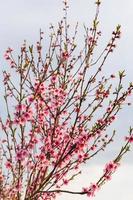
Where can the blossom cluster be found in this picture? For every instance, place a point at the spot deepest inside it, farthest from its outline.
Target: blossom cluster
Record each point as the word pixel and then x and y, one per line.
pixel 53 125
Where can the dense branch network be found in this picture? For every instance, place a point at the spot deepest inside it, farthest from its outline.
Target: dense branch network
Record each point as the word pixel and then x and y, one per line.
pixel 52 102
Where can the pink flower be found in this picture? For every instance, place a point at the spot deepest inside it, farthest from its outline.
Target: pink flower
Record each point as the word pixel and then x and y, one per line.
pixel 19 156
pixel 65 56
pixel 108 177
pixel 6 56
pixel 42 157
pixel 20 107
pixel 53 79
pixel 111 167
pixel 65 181
pixel 129 139
pixel 91 190
pixel 9 50
pixel 8 165
pixel 31 99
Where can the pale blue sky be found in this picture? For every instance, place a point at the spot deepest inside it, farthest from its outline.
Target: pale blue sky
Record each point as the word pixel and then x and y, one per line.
pixel 21 20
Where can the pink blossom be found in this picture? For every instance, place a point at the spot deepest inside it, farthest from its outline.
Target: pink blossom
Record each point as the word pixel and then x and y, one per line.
pixel 91 190
pixel 129 138
pixel 8 165
pixel 111 167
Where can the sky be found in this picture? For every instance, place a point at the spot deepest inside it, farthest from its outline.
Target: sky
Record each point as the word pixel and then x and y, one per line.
pixel 20 20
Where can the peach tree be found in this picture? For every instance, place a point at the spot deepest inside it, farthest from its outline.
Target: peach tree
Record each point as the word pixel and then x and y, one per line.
pixel 52 127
